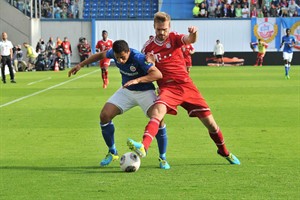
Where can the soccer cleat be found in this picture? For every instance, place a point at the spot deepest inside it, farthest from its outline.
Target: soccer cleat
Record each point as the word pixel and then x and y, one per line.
pixel 287 77
pixel 137 147
pixel 108 159
pixel 104 86
pixel 163 164
pixel 4 81
pixel 13 81
pixel 232 159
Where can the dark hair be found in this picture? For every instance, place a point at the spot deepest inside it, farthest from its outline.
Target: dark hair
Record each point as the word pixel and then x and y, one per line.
pixel 104 31
pixel 120 46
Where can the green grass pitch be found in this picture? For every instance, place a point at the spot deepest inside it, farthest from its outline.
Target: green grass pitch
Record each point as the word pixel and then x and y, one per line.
pixel 51 143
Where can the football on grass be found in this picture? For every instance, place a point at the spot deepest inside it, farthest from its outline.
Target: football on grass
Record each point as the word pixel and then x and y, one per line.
pixel 130 162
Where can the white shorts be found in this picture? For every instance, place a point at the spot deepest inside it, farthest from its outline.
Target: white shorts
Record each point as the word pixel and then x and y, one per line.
pixel 126 99
pixel 288 56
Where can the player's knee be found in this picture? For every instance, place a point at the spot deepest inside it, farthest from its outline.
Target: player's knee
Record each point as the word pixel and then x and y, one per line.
pixel 105 117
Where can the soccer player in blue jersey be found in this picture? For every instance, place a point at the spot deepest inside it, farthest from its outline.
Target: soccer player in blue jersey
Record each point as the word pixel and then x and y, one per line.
pixel 288 41
pixel 137 90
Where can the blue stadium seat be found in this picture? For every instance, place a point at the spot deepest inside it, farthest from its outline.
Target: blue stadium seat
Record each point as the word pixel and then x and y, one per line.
pixel 139 14
pixel 124 4
pixel 124 9
pixel 131 10
pixel 101 9
pixel 116 4
pixel 116 9
pixel 86 9
pixel 131 5
pixel 146 15
pixel 116 15
pixel 86 15
pixel 139 4
pixel 124 15
pixel 93 15
pixel 131 15
pixel 108 15
pixel 100 15
pixel 109 4
pixel 109 9
pixel 146 9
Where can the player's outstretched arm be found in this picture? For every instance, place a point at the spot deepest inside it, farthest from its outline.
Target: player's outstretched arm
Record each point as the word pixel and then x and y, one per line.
pixel 153 75
pixel 192 37
pixel 93 58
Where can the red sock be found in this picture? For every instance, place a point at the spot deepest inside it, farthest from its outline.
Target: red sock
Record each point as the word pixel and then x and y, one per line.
pixel 150 132
pixel 103 77
pixel 217 137
pixel 106 74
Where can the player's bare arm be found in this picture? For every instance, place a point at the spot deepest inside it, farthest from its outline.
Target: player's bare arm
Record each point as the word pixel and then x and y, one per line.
pixel 193 35
pixel 150 58
pixel 94 58
pixel 153 75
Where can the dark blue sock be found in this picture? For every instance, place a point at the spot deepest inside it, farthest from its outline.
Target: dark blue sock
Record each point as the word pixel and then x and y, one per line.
pixel 108 131
pixel 286 70
pixel 162 142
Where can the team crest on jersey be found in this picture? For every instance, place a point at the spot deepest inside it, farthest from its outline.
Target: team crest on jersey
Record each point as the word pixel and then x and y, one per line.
pixel 168 45
pixel 132 68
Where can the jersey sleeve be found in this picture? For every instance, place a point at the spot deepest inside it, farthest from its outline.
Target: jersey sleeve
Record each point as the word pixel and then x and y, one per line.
pixel 143 64
pixel 110 54
pixel 178 38
pixel 97 45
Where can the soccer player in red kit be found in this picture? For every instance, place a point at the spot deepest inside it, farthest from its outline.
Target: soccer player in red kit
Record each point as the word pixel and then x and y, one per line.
pixel 187 51
pixel 176 88
pixel 104 45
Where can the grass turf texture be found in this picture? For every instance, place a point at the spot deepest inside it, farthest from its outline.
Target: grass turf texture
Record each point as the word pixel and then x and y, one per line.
pixel 51 143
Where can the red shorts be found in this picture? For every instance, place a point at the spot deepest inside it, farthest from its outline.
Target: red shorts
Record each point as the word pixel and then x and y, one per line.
pixel 104 63
pixel 183 94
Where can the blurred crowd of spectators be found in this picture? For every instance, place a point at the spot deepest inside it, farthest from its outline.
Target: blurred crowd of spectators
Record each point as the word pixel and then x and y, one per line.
pixel 58 9
pixel 66 9
pixel 62 9
pixel 245 8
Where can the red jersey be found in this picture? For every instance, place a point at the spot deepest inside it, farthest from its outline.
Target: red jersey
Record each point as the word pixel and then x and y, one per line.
pixel 186 49
pixel 104 45
pixel 66 45
pixel 169 58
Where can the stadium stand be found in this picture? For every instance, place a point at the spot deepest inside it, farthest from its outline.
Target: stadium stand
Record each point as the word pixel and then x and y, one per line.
pixel 108 9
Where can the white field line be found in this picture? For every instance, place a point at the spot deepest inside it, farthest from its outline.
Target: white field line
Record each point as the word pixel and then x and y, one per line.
pixel 44 90
pixel 39 81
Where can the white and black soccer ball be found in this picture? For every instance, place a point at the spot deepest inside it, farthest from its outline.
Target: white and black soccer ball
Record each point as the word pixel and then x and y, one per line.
pixel 130 162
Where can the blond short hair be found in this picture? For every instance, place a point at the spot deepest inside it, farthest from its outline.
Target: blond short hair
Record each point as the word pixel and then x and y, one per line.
pixel 161 17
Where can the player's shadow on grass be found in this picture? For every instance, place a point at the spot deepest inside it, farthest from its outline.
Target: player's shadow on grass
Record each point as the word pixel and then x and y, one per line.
pixel 66 169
